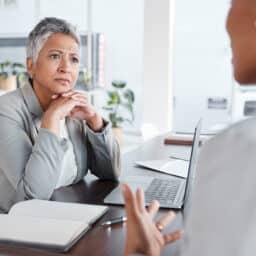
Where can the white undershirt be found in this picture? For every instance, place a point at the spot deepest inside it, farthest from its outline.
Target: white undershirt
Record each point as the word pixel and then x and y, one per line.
pixel 69 168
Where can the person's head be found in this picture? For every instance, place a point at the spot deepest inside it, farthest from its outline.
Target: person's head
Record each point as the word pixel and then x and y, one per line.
pixel 53 55
pixel 241 26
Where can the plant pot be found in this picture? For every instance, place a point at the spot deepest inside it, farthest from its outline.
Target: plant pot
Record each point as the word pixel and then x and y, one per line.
pixel 118 133
pixel 9 83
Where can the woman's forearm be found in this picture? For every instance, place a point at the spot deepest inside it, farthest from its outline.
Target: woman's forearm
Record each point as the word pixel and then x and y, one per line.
pixel 51 122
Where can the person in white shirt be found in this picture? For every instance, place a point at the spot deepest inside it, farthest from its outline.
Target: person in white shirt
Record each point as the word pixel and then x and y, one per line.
pixel 222 218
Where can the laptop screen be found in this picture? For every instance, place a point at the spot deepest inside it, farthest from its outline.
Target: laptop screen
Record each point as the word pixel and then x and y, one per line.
pixel 192 169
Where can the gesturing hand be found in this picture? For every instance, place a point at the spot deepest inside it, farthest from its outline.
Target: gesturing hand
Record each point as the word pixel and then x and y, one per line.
pixel 143 235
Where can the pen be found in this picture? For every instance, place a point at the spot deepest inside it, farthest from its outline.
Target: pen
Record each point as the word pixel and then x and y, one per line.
pixel 114 221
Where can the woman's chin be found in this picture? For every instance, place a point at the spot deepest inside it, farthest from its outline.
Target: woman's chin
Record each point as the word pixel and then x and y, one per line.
pixel 245 77
pixel 62 88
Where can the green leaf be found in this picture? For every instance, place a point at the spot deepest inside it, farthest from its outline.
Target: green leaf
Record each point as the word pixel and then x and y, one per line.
pixel 12 68
pixel 110 103
pixel 129 107
pixel 119 84
pixel 115 120
pixel 129 95
pixel 112 118
pixel 114 97
pixel 17 65
pixel 6 64
pixel 118 100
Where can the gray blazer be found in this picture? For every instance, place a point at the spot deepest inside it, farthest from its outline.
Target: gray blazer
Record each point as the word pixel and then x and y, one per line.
pixel 30 156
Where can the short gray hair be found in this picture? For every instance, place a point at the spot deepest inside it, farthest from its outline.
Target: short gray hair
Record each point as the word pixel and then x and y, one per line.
pixel 43 30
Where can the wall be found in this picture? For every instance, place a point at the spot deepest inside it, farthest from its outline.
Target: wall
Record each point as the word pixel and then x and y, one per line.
pixel 18 19
pixel 122 23
pixel 157 91
pixel 120 20
pixel 137 35
pixel 202 65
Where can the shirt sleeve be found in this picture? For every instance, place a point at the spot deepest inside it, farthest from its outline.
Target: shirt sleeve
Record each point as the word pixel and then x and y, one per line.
pixel 31 170
pixel 103 153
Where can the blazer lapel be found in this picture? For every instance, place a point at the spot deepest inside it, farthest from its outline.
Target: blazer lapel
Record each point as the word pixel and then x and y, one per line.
pixel 34 108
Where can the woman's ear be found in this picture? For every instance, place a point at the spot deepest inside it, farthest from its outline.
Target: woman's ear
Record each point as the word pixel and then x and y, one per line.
pixel 30 67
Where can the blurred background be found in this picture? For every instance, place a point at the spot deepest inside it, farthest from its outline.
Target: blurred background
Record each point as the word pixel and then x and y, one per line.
pixel 174 55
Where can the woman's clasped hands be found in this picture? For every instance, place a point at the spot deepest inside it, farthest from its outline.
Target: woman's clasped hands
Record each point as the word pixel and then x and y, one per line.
pixel 71 104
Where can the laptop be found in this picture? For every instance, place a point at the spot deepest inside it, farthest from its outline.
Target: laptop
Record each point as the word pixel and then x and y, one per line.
pixel 171 192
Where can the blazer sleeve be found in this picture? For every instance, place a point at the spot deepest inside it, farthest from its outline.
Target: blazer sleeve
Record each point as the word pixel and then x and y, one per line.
pixel 32 170
pixel 103 153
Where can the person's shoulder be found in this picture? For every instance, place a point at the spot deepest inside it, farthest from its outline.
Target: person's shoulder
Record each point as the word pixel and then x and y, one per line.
pixel 242 131
pixel 11 103
pixel 11 98
pixel 229 150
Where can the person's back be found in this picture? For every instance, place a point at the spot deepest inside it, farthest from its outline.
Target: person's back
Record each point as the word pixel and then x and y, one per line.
pixel 223 214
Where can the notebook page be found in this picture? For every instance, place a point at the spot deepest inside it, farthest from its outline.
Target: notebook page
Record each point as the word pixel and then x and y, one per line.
pixel 53 233
pixel 172 167
pixel 58 210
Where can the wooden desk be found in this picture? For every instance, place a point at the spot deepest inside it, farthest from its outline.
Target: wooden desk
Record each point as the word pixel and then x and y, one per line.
pixel 101 240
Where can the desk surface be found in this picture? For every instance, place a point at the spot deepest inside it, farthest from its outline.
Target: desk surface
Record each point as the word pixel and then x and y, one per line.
pixel 110 241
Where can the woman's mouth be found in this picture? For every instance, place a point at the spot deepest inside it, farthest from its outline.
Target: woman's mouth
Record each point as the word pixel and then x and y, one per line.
pixel 63 81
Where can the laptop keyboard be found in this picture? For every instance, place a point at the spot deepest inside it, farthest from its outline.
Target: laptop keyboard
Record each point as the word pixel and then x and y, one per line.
pixel 162 190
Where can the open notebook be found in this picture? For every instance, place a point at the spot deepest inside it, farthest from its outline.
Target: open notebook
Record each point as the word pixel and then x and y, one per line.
pixel 166 165
pixel 46 224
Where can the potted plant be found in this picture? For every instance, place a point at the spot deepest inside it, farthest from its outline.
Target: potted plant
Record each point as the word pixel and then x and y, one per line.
pixel 120 106
pixel 9 73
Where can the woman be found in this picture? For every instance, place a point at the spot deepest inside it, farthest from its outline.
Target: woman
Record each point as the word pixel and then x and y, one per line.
pixel 222 217
pixel 50 135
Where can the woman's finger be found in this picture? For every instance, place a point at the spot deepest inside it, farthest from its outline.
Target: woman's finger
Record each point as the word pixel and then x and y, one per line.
pixel 81 103
pixel 129 199
pixel 153 208
pixel 68 94
pixel 54 96
pixel 164 221
pixel 169 238
pixel 140 199
pixel 79 96
pixel 81 100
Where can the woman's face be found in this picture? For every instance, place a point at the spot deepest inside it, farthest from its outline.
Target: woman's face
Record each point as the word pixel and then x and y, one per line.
pixel 57 66
pixel 241 26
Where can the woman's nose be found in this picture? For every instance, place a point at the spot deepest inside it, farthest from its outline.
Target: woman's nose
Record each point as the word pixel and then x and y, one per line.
pixel 65 65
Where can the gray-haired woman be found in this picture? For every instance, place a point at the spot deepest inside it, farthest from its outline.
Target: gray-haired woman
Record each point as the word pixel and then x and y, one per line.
pixel 50 136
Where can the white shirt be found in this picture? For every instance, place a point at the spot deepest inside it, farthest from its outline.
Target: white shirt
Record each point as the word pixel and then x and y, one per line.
pixel 222 221
pixel 68 168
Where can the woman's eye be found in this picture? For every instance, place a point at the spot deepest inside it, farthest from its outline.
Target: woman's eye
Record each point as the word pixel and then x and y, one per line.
pixel 75 60
pixel 54 56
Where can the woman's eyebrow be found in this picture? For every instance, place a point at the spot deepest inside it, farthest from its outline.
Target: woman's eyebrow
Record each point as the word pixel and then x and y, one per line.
pixel 63 51
pixel 56 50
